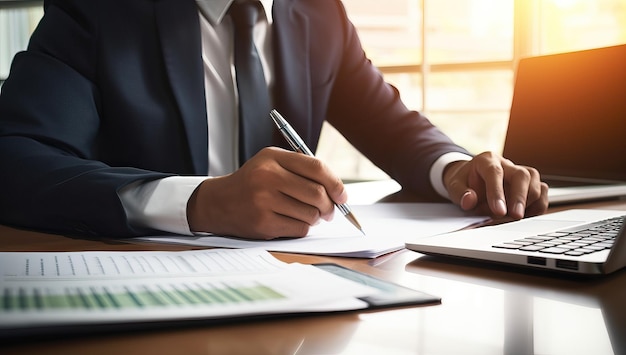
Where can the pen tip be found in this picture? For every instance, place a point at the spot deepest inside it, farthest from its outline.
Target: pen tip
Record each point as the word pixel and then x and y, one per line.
pixel 356 223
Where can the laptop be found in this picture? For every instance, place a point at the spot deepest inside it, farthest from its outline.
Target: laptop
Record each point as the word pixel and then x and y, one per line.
pixel 568 119
pixel 575 241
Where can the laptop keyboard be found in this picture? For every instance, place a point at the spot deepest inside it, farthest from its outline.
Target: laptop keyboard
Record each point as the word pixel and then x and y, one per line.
pixel 576 241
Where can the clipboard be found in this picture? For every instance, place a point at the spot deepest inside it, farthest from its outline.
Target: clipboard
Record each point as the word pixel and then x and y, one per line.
pixel 392 295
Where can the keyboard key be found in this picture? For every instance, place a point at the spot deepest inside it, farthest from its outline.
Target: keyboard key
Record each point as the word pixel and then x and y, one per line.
pixel 574 253
pixel 507 246
pixel 554 235
pixel 606 245
pixel 569 246
pixel 540 238
pixel 571 237
pixel 532 248
pixel 545 244
pixel 554 250
pixel 594 247
pixel 589 240
pixel 579 245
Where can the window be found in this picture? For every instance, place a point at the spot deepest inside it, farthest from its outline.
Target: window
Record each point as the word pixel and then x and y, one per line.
pixel 17 21
pixel 454 60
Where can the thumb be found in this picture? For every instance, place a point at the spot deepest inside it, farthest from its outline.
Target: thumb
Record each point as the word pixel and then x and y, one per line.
pixel 459 191
pixel 468 200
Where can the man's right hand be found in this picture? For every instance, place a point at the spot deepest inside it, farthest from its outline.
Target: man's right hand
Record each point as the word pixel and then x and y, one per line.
pixel 276 193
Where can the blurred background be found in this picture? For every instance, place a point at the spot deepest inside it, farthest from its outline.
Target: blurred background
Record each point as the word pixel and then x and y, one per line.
pixel 453 60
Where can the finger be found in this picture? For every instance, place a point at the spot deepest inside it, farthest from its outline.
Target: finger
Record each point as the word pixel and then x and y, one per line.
pixel 297 176
pixel 518 181
pixel 535 189
pixel 469 200
pixel 270 215
pixel 285 218
pixel 539 205
pixel 491 172
pixel 296 209
pixel 305 195
pixel 526 193
pixel 276 227
pixel 315 170
pixel 458 175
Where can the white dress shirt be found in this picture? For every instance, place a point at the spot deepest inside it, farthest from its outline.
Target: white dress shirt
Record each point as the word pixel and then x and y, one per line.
pixel 162 204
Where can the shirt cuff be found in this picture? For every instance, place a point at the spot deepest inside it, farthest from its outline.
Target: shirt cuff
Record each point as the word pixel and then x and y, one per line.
pixel 436 170
pixel 160 204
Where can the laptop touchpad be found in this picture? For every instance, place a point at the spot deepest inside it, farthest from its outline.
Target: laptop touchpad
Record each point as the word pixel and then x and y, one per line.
pixel 536 225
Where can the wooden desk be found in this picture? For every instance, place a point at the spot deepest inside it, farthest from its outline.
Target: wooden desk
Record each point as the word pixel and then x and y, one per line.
pixel 484 310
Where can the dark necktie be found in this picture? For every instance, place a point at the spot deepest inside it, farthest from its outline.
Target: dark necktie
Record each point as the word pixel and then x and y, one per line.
pixel 255 126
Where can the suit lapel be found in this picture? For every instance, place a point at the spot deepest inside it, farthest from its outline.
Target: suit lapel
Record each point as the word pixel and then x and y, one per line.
pixel 177 23
pixel 292 67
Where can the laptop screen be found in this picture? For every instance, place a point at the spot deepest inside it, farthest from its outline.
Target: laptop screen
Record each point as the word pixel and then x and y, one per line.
pixel 568 115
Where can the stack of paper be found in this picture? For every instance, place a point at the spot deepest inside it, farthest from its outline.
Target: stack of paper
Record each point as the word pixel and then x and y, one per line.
pixel 388 226
pixel 47 290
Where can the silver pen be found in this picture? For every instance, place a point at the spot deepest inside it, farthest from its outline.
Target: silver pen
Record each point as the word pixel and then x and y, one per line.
pixel 298 145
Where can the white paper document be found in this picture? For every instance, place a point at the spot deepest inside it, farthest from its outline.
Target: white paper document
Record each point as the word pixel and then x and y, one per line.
pixel 47 289
pixel 387 226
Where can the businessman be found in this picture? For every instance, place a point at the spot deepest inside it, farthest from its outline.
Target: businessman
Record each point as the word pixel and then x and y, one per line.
pixel 125 118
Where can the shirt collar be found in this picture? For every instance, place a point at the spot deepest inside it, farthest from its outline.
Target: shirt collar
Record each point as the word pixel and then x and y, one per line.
pixel 215 10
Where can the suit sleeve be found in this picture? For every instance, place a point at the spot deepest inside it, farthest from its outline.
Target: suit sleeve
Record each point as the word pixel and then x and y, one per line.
pixel 49 122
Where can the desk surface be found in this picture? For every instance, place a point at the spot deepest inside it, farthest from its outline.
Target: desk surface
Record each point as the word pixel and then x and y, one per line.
pixel 485 309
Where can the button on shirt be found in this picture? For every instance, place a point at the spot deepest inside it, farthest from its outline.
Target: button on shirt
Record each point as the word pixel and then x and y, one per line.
pixel 162 204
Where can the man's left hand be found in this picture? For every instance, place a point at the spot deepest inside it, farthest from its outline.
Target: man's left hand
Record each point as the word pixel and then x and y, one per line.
pixel 493 185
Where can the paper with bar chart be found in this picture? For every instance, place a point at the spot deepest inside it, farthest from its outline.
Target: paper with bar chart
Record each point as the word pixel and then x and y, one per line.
pixel 44 289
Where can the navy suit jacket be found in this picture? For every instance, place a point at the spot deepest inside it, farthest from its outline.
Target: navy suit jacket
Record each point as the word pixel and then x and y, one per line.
pixel 112 91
